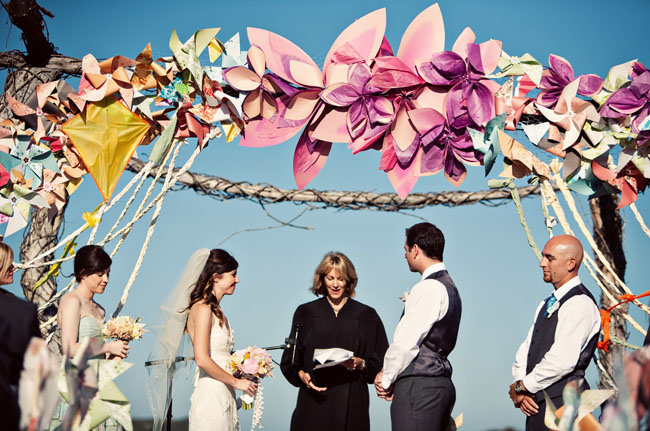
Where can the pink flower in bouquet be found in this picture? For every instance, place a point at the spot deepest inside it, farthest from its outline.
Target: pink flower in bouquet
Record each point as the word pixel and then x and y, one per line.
pixel 250 366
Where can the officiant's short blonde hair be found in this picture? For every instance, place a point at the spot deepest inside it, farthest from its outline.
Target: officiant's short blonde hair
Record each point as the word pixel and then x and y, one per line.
pixel 340 262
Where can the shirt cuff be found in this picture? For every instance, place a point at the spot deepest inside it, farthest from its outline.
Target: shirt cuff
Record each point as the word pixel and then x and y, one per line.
pixel 530 384
pixel 386 381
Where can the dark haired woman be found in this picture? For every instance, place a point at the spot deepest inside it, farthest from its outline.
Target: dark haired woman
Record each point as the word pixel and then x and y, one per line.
pixel 194 307
pixel 80 316
pixel 335 397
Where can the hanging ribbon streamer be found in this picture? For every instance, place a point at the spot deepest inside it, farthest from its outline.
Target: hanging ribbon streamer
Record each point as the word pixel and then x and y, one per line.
pixel 605 317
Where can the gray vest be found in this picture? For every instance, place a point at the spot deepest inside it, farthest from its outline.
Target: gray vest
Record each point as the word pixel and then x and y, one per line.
pixel 431 360
pixel 543 338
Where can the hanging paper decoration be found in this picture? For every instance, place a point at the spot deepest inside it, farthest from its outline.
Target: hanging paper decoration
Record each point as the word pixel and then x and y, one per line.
pixel 426 108
pixel 106 134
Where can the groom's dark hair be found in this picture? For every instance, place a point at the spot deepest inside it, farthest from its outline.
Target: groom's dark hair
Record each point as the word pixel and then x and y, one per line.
pixel 428 237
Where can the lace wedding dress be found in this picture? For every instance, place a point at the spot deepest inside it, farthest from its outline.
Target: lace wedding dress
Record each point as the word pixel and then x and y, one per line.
pixel 213 405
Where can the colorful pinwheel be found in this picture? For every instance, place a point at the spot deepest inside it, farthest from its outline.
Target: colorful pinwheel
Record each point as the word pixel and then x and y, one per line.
pixel 570 113
pixel 100 80
pixel 187 54
pixel 518 66
pixel 16 203
pixel 29 159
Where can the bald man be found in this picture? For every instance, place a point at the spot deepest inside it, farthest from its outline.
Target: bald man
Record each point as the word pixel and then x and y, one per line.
pixel 563 337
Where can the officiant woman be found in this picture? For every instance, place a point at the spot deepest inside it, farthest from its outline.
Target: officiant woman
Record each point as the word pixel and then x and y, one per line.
pixel 336 397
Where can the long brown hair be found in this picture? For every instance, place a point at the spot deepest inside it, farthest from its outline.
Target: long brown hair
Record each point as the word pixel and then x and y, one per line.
pixel 219 262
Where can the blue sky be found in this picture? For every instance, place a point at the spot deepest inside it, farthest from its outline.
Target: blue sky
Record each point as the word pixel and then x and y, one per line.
pixel 487 254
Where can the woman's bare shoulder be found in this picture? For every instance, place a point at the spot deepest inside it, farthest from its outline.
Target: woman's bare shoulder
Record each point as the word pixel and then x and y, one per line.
pixel 200 310
pixel 70 299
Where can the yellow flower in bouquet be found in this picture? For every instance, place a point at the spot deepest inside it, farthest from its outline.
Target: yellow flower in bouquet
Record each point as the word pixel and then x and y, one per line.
pixel 123 328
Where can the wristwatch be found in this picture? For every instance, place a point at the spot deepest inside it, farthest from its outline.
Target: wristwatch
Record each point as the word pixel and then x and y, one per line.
pixel 518 388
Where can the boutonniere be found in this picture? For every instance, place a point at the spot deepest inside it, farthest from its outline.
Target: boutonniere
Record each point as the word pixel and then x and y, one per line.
pixel 404 296
pixel 552 309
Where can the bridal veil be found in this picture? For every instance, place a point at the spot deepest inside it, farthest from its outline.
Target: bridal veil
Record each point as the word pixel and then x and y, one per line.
pixel 171 347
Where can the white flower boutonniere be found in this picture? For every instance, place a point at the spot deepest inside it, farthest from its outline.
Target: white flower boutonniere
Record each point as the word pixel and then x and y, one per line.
pixel 404 296
pixel 552 309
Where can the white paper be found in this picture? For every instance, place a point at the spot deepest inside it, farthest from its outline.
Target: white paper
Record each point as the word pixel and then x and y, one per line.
pixel 331 357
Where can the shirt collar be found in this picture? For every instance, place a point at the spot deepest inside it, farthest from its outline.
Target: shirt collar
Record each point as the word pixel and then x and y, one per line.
pixel 436 267
pixel 562 290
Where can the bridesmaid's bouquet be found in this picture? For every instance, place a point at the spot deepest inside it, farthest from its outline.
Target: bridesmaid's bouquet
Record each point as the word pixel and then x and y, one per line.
pixel 123 328
pixel 252 363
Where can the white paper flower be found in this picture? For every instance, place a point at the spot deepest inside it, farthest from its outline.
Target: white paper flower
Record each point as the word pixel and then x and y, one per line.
pixel 552 309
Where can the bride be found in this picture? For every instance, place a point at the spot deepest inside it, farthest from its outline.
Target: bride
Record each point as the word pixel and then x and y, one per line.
pixel 193 307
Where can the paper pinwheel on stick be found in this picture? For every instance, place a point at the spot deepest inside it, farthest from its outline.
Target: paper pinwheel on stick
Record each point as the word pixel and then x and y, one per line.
pixel 570 113
pixel 90 391
pixel 16 203
pixel 100 80
pixel 30 159
pixel 629 180
pixel 514 105
pixel 518 66
pixel 577 409
pixel 187 54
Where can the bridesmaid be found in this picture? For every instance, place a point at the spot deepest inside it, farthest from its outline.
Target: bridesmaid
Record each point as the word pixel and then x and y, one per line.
pixel 80 316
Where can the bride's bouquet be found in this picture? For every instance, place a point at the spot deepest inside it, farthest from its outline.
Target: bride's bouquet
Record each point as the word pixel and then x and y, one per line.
pixel 123 328
pixel 252 363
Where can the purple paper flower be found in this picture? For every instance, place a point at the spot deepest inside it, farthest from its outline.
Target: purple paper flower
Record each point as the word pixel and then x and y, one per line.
pixel 633 100
pixel 559 75
pixel 468 94
pixel 366 108
pixel 445 145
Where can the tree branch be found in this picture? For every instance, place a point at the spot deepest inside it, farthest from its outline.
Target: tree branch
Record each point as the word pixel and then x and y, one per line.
pixel 223 189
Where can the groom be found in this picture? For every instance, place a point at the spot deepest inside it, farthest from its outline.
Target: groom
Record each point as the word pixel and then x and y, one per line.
pixel 417 374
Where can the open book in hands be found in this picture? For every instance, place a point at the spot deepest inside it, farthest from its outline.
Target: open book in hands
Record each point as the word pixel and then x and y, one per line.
pixel 331 357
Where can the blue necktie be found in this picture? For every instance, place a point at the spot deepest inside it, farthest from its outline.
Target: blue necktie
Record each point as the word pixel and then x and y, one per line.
pixel 549 302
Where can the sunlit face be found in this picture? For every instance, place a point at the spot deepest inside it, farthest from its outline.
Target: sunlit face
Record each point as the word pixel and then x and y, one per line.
pixel 556 265
pixel 8 276
pixel 409 255
pixel 224 284
pixel 97 282
pixel 335 284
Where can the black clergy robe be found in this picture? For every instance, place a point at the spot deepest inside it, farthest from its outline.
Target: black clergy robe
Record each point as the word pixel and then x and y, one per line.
pixel 344 405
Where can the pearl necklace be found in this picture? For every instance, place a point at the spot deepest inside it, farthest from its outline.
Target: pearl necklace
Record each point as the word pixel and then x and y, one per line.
pixel 337 308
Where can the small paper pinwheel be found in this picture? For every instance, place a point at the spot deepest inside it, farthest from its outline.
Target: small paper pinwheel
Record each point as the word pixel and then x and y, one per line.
pixel 629 180
pixel 518 66
pixel 488 142
pixel 29 159
pixel 16 203
pixel 100 80
pixel 187 54
pixel 570 113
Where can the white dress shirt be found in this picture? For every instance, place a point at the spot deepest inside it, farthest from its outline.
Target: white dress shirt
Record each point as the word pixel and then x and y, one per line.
pixel 426 303
pixel 577 322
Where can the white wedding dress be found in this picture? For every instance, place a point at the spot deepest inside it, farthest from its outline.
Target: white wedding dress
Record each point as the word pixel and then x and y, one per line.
pixel 213 404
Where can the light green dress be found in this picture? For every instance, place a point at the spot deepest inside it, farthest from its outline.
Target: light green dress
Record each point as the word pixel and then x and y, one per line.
pixel 88 327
